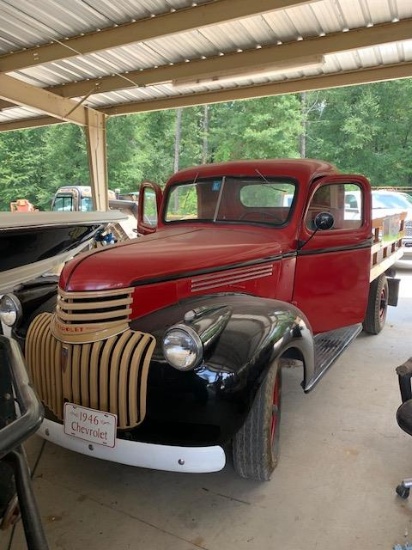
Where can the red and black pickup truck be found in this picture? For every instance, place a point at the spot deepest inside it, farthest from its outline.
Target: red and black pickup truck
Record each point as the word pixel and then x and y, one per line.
pixel 166 351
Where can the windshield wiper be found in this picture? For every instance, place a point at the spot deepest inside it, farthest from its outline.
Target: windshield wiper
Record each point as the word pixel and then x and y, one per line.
pixel 219 199
pixel 271 184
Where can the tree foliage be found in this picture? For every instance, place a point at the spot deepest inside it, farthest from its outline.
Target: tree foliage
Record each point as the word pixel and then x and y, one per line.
pixel 257 128
pixel 362 129
pixel 365 129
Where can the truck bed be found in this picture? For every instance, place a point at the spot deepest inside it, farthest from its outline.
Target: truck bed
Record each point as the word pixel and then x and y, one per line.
pixel 387 234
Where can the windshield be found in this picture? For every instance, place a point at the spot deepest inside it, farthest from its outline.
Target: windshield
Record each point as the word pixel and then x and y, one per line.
pixel 63 203
pixel 232 199
pixel 391 200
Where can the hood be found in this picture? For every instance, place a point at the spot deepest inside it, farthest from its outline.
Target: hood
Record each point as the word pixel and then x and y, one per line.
pixel 169 254
pixel 35 243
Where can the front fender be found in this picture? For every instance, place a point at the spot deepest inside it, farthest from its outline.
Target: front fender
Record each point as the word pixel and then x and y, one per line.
pixel 248 335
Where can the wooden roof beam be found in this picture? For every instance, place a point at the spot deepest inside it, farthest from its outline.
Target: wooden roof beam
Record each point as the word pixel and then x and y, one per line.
pixel 25 123
pixel 5 104
pixel 182 20
pixel 251 59
pixel 321 82
pixel 21 93
pixel 349 78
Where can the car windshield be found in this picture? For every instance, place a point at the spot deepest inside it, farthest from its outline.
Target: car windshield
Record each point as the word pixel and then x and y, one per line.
pixel 391 200
pixel 63 203
pixel 232 199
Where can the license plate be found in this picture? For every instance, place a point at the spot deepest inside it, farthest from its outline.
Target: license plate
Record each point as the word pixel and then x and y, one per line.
pixel 95 426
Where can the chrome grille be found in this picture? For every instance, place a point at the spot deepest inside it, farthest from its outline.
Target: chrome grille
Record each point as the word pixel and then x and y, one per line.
pixel 408 228
pixel 109 375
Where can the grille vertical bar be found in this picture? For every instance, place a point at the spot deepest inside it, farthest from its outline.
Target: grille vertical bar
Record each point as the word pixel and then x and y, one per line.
pixel 109 375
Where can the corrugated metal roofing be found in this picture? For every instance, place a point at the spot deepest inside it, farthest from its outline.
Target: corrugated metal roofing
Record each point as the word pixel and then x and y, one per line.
pixel 150 66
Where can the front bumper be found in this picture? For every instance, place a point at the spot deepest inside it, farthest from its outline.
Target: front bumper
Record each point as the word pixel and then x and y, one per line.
pixel 144 455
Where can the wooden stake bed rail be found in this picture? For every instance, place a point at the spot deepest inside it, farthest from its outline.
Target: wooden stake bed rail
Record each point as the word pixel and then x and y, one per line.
pixel 387 233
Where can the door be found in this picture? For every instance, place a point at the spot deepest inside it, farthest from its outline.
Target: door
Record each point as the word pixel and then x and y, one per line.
pixel 333 265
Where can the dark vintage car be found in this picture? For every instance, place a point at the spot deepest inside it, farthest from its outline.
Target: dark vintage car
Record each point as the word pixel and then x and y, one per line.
pixel 20 416
pixel 31 244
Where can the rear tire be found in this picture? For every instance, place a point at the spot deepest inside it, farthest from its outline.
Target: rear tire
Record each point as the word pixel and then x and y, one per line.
pixel 256 445
pixel 377 305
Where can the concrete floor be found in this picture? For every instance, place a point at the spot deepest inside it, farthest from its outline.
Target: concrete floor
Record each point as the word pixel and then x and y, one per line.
pixel 342 455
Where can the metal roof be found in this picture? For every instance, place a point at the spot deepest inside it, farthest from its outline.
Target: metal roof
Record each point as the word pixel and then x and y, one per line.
pixel 60 59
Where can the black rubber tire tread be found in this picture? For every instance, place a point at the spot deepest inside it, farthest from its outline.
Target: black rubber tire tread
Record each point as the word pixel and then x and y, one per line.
pixel 373 323
pixel 254 456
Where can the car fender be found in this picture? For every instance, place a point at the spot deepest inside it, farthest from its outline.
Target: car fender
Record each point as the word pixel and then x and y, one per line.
pixel 242 335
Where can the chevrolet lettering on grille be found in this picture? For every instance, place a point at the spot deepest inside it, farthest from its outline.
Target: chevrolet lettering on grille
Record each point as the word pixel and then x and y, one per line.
pixel 69 328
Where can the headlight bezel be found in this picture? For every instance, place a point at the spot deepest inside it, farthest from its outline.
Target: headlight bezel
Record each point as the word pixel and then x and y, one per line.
pixel 11 310
pixel 177 333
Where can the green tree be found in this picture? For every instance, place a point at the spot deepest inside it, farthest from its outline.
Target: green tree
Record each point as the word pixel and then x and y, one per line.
pixel 65 160
pixel 22 166
pixel 125 159
pixel 259 128
pixel 365 129
pixel 192 137
pixel 156 139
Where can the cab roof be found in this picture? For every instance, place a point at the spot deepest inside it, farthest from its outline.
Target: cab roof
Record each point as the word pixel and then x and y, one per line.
pixel 301 169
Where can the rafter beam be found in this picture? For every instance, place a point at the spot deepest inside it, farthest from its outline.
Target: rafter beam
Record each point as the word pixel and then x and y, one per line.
pixel 21 93
pixel 183 20
pixel 5 104
pixel 25 123
pixel 348 78
pixel 251 59
pixel 325 81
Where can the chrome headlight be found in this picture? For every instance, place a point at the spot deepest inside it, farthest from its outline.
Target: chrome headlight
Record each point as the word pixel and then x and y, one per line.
pixel 182 347
pixel 10 310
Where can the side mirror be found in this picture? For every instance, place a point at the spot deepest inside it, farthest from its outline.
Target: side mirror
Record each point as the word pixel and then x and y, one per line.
pixel 324 220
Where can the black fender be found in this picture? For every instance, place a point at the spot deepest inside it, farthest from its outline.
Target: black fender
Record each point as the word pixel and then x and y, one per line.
pixel 242 336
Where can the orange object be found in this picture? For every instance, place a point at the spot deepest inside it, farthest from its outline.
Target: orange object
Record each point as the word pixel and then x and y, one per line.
pixel 22 205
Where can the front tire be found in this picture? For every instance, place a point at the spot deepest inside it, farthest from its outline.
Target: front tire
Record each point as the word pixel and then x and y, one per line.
pixel 377 305
pixel 256 445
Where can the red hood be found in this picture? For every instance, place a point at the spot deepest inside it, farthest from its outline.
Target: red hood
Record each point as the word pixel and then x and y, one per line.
pixel 168 253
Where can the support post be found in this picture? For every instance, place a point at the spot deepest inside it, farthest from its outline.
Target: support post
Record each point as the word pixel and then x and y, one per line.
pixel 96 149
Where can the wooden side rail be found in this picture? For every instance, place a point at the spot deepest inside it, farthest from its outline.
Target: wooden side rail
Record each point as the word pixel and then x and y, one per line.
pixel 387 234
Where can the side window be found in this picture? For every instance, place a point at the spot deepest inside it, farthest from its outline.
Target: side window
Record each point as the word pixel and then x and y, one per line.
pixel 342 200
pixel 86 204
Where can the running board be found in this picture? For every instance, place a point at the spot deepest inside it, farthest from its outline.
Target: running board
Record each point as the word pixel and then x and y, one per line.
pixel 328 347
